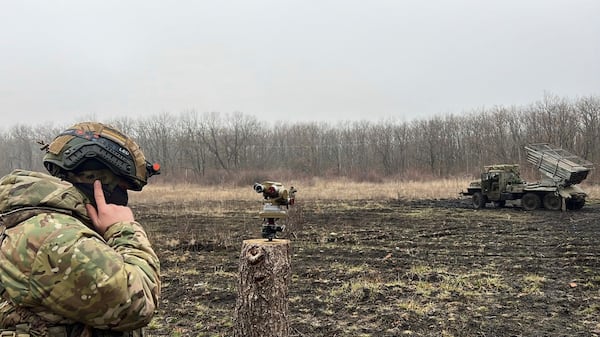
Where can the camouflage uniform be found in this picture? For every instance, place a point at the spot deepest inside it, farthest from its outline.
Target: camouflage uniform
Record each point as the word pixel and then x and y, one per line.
pixel 59 277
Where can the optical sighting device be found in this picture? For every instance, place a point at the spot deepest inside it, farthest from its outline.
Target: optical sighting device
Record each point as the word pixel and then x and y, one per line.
pixel 277 201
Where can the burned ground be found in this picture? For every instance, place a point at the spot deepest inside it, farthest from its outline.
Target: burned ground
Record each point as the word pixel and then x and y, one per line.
pixel 388 268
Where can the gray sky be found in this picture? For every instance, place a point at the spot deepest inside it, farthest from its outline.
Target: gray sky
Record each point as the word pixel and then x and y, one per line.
pixel 318 60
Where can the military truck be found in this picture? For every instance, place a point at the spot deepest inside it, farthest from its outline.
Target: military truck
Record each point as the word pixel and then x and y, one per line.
pixel 558 190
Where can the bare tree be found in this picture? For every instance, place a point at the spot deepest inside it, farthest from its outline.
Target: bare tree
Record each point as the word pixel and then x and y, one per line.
pixel 588 108
pixel 188 138
pixel 191 144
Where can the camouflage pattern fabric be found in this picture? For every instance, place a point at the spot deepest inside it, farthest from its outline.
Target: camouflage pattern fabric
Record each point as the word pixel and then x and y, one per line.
pixel 56 269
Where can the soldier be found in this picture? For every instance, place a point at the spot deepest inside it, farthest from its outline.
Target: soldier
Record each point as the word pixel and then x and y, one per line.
pixel 73 260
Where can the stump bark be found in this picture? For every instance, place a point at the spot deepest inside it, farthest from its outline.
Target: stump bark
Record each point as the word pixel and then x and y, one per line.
pixel 262 302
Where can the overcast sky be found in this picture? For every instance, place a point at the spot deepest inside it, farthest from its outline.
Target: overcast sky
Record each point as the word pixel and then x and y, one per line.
pixel 316 60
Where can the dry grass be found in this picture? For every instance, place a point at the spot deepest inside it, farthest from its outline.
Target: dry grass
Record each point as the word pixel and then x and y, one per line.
pixel 315 189
pixel 320 189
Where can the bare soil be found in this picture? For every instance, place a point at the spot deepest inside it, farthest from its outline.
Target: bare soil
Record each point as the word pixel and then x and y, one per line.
pixel 387 268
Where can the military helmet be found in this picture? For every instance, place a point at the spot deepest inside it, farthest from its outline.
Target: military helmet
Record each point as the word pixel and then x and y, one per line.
pixel 95 143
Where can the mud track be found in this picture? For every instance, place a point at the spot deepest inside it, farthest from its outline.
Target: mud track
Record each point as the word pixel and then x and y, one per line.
pixel 388 268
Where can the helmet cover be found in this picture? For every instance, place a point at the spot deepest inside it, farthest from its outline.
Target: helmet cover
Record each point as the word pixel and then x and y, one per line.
pixel 92 145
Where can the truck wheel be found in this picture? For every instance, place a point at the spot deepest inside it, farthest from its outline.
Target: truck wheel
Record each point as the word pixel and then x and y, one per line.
pixel 579 204
pixel 478 200
pixel 575 204
pixel 530 201
pixel 552 202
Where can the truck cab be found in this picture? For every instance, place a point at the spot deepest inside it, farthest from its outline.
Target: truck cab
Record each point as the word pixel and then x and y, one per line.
pixel 498 184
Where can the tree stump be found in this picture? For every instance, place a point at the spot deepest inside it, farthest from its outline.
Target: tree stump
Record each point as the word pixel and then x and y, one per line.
pixel 262 303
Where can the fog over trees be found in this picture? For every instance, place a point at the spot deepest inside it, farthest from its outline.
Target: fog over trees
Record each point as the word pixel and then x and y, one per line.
pixel 223 148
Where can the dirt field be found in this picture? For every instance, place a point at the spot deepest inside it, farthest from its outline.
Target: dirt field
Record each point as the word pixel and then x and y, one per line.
pixel 387 268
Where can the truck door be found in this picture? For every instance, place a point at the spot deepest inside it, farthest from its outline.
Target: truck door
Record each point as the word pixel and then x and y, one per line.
pixel 494 191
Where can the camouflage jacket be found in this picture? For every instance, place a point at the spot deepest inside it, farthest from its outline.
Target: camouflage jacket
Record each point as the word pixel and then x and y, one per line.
pixel 56 269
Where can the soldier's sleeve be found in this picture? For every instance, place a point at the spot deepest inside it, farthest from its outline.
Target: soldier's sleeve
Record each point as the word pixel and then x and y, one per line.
pixel 109 284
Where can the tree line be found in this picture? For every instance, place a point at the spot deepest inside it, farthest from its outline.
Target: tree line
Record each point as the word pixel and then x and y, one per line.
pixel 237 148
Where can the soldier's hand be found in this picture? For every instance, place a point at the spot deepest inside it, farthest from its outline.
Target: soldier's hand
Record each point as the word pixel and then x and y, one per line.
pixel 105 215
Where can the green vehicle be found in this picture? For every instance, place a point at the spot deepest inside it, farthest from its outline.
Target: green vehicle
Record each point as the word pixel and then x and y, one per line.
pixel 559 190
